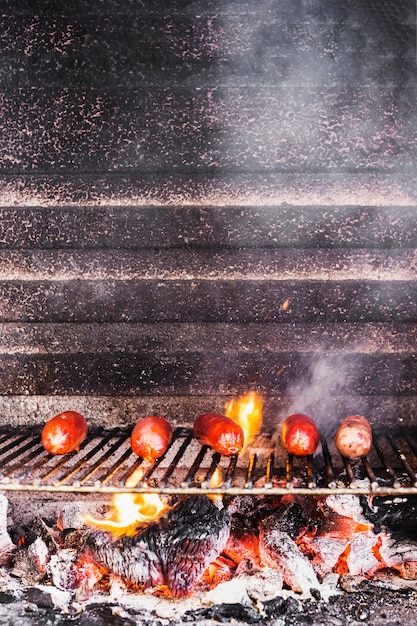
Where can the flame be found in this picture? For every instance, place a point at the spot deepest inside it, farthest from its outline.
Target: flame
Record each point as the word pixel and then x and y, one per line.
pixel 217 479
pixel 247 412
pixel 129 510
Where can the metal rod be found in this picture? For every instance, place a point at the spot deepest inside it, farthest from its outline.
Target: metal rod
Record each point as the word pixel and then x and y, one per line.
pixel 66 458
pixel 23 457
pixel 89 455
pixel 23 463
pixel 328 468
pixel 230 471
pixel 369 472
pixel 289 470
pixel 349 471
pixel 17 453
pixel 402 458
pixel 176 459
pixel 310 472
pixel 269 470
pixel 100 462
pixel 110 473
pixel 12 445
pixel 194 467
pixel 214 463
pixel 250 472
pixel 388 469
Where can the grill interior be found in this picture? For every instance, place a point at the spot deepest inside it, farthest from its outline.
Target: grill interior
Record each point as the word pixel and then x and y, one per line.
pixel 106 464
pixel 196 200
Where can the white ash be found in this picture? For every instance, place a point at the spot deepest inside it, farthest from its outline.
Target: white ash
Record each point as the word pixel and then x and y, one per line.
pixel 348 506
pixel 396 553
pixel 39 554
pixel 246 589
pixel 7 546
pixel 61 568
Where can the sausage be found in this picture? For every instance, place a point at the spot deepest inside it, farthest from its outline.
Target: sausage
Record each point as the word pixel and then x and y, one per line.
pixel 151 437
pixel 354 437
pixel 219 432
pixel 299 435
pixel 64 432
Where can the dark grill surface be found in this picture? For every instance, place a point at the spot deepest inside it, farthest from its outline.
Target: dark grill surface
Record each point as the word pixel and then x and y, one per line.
pixel 106 464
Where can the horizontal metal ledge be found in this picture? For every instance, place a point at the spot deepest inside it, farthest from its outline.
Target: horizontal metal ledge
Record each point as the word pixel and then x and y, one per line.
pixel 230 491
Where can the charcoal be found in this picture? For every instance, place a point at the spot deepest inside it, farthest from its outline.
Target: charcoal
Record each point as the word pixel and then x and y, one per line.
pixel 289 518
pixel 225 613
pixel 280 606
pixel 277 549
pixel 36 543
pixel 175 550
pixel 7 597
pixel 41 598
pixel 397 514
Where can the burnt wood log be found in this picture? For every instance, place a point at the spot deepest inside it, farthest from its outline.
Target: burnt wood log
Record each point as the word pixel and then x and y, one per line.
pixel 174 551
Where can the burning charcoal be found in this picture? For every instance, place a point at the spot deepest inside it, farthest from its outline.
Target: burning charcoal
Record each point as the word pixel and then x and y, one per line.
pixel 361 558
pixel 289 518
pixel 395 553
pixel 175 550
pixel 327 552
pixel 36 544
pixel 70 572
pixel 277 549
pixel 132 559
pixel 191 547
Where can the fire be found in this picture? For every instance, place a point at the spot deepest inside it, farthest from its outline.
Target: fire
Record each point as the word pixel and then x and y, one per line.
pixel 129 510
pixel 247 412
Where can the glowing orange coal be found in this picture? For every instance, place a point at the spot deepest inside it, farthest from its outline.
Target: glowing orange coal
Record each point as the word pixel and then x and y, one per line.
pixel 247 412
pixel 129 511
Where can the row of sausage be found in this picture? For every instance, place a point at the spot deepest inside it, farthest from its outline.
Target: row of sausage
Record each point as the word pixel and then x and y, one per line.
pixel 151 436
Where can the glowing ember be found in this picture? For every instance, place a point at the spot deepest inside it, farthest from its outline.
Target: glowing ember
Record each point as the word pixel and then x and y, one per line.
pixel 247 412
pixel 129 510
pixel 285 305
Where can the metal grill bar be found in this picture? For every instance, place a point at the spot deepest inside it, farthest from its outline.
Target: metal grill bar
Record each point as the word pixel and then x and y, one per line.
pixel 106 464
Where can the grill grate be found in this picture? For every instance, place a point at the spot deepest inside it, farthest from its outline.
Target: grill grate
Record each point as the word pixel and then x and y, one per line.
pixel 106 464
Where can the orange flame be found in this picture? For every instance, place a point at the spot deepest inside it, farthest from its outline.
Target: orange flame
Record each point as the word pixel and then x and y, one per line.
pixel 247 412
pixel 129 510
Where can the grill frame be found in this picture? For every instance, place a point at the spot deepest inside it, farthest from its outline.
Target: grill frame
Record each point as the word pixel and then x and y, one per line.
pixel 106 454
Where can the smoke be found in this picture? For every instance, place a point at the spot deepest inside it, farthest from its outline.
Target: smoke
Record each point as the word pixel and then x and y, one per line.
pixel 323 378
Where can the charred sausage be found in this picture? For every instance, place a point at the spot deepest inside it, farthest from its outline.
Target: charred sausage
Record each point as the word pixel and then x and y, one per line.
pixel 220 433
pixel 151 437
pixel 354 437
pixel 64 432
pixel 299 435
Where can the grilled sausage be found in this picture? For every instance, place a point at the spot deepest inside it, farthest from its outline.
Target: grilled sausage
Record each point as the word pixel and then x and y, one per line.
pixel 64 432
pixel 220 433
pixel 354 437
pixel 150 437
pixel 299 435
